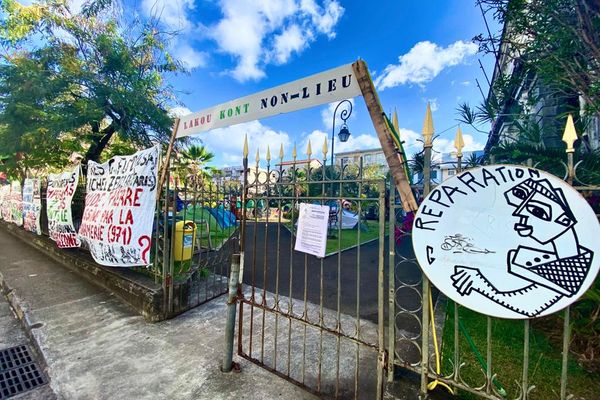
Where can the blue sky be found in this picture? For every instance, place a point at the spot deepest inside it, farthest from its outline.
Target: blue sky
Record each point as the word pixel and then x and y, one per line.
pixel 416 52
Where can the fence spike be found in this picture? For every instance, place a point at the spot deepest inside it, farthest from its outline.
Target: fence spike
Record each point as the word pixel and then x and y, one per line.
pixel 459 143
pixel 570 134
pixel 308 149
pixel 245 152
pixel 281 152
pixel 294 152
pixel 428 127
pixel 268 157
pixel 325 148
pixel 257 156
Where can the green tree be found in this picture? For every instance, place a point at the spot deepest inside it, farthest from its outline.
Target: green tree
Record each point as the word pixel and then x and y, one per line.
pixel 76 81
pixel 554 42
pixel 191 161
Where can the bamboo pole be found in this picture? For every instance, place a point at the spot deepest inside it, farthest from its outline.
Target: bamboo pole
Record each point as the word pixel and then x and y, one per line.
pixel 394 159
pixel 165 166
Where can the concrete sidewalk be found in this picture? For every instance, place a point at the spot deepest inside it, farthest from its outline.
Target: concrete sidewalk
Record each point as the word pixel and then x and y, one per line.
pixel 95 347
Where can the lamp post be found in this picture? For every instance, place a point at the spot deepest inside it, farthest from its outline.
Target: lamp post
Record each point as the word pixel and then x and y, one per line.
pixel 344 133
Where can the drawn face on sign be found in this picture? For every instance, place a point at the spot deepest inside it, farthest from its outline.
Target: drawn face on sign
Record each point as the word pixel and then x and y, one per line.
pixel 508 241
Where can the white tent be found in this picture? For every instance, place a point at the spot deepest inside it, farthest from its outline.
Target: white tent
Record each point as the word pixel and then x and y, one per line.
pixel 347 218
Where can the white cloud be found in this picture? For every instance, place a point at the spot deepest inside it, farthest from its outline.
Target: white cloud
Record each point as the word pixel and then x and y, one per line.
pixel 289 41
pixel 444 145
pixel 273 30
pixel 423 63
pixel 179 111
pixel 327 113
pixel 229 142
pixel 189 57
pixel 171 13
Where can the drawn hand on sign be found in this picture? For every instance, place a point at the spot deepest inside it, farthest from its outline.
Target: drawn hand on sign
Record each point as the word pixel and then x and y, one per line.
pixel 555 269
pixel 467 279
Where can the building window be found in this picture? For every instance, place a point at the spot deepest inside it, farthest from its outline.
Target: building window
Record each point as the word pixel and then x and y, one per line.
pixel 434 174
pixel 450 172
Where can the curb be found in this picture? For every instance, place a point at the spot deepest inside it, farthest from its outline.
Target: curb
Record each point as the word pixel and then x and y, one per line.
pixel 21 310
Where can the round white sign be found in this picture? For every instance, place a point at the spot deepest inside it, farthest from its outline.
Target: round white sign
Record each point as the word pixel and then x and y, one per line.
pixel 508 241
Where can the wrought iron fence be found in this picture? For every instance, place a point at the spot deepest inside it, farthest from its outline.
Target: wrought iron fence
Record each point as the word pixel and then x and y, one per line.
pixel 196 233
pixel 461 362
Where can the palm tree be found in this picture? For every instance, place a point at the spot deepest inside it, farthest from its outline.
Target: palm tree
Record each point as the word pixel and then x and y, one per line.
pixel 192 160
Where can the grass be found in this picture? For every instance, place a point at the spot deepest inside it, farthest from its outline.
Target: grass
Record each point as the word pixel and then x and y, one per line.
pixel 348 238
pixel 545 359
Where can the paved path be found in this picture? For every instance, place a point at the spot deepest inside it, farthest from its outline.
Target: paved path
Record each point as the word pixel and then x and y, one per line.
pixel 97 348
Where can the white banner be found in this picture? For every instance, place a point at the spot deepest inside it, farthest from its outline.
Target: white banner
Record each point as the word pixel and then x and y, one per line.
pixel 32 205
pixel 119 209
pixel 15 204
pixel 61 188
pixel 326 87
pixel 4 207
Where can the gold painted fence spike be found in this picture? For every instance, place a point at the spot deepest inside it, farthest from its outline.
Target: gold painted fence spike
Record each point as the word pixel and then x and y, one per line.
pixel 324 148
pixel 308 149
pixel 257 156
pixel 428 127
pixel 246 146
pixel 459 143
pixel 294 152
pixel 268 157
pixel 281 152
pixel 570 135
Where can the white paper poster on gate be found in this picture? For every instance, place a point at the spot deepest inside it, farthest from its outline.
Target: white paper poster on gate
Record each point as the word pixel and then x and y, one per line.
pixel 15 204
pixel 119 209
pixel 61 188
pixel 32 205
pixel 508 241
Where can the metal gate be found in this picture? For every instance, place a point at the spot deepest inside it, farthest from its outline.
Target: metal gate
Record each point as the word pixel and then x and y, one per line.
pixel 318 322
pixel 201 212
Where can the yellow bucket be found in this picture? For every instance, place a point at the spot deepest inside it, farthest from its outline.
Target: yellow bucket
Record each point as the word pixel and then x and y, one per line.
pixel 185 240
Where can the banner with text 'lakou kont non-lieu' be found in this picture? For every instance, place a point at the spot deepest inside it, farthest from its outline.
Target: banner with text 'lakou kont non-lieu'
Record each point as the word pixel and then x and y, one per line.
pixel 119 209
pixel 61 188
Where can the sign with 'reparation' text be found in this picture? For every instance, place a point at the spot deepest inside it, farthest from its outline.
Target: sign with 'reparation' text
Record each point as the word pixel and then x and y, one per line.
pixel 32 205
pixel 508 241
pixel 119 209
pixel 326 87
pixel 61 188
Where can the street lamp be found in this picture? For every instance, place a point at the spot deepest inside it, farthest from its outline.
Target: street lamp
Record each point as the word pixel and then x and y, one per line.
pixel 344 133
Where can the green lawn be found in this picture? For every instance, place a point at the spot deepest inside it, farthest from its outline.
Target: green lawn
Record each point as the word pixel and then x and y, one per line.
pixel 507 358
pixel 349 237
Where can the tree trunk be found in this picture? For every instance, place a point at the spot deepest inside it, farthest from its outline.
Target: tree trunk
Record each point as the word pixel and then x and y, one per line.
pixel 99 143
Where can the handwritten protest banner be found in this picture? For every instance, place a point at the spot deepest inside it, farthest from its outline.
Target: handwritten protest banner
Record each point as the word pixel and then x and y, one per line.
pixel 32 206
pixel 61 188
pixel 4 199
pixel 119 209
pixel 15 204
